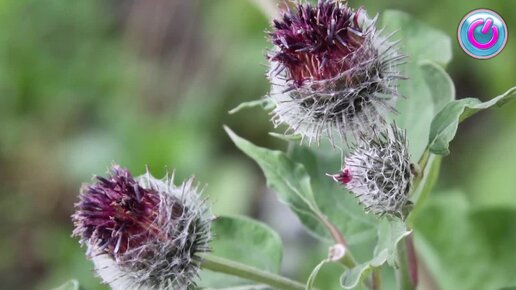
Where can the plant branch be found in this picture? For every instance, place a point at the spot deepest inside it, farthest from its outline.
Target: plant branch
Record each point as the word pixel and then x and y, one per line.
pixel 226 266
pixel 347 259
pixel 337 236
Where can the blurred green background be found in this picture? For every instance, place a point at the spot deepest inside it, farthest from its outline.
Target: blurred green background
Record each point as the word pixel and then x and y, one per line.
pixel 84 84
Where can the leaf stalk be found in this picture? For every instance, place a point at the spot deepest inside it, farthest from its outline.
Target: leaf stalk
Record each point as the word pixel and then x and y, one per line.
pixel 230 267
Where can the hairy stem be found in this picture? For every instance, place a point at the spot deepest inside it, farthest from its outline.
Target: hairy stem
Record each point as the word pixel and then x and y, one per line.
pixel 226 266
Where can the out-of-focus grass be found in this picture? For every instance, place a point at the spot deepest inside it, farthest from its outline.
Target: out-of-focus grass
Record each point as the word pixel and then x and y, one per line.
pixel 87 83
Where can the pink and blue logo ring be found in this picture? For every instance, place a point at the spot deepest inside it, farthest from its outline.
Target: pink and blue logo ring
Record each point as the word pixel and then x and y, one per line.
pixel 482 33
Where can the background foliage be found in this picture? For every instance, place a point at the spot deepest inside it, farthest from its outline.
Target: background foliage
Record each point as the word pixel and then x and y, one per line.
pixel 87 83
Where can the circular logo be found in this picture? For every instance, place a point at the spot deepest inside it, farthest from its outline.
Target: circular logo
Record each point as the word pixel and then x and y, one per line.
pixel 482 33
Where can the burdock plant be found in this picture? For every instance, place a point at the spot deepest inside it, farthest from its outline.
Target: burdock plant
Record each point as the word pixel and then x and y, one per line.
pixel 333 71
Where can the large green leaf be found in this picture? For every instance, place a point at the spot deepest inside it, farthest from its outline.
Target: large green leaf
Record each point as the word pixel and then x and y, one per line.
pixel 464 247
pixel 445 124
pixel 428 86
pixel 390 233
pixel 246 241
pixel 288 179
pixel 439 83
pixel 418 39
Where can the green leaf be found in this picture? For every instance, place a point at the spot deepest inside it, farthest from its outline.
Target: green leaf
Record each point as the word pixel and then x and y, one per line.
pixel 419 40
pixel 465 247
pixel 288 179
pixel 243 240
pixel 428 86
pixel 390 233
pixel 440 84
pixel 70 285
pixel 445 124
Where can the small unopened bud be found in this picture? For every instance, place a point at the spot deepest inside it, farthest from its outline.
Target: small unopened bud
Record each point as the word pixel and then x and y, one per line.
pixel 143 233
pixel 331 70
pixel 336 252
pixel 378 173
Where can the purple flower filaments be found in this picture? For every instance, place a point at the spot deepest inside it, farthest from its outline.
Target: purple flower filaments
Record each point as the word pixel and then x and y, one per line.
pixel 331 70
pixel 143 233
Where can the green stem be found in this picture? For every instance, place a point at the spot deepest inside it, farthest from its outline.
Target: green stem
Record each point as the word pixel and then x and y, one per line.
pixel 424 158
pixel 222 265
pixel 422 165
pixel 347 260
pixel 423 183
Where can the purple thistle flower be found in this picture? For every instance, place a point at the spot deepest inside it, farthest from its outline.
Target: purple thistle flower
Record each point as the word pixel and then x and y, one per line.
pixel 143 233
pixel 331 70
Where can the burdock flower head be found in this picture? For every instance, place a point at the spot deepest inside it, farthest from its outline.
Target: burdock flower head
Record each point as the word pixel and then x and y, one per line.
pixel 331 70
pixel 143 233
pixel 379 173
